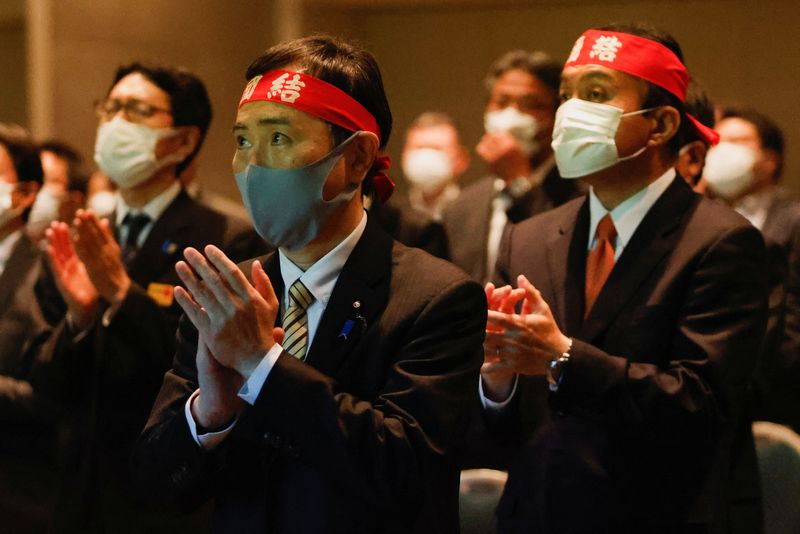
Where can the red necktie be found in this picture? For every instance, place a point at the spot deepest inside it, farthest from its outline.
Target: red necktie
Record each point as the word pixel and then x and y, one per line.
pixel 600 261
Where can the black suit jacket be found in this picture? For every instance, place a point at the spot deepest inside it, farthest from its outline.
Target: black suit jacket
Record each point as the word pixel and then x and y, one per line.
pixel 648 430
pixel 411 226
pixel 27 448
pixel 778 372
pixel 110 378
pixel 356 439
pixel 466 220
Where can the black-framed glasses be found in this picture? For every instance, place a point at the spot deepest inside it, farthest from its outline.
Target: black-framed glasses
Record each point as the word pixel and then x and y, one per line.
pixel 134 109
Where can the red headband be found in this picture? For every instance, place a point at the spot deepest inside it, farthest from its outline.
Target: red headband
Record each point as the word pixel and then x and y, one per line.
pixel 640 57
pixel 325 101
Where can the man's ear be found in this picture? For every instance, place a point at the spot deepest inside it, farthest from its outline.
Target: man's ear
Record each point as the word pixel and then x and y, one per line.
pixel 361 154
pixel 27 192
pixel 666 125
pixel 771 163
pixel 189 139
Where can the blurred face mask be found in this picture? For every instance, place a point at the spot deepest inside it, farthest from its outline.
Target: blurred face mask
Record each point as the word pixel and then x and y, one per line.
pixel 126 151
pixel 7 209
pixel 729 169
pixel 286 205
pixel 102 203
pixel 522 126
pixel 427 168
pixel 45 208
pixel 584 137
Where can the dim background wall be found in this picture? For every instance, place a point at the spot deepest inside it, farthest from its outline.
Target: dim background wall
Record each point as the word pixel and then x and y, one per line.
pixel 433 53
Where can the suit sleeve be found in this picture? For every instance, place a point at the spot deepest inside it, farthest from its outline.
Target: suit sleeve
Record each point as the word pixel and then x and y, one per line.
pixel 711 357
pixel 383 450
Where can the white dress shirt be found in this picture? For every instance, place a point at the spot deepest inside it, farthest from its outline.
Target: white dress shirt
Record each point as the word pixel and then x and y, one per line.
pixel 755 207
pixel 500 205
pixel 416 199
pixel 320 280
pixel 626 217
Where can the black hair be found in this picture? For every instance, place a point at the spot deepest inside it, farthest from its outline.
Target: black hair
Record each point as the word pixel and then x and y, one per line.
pixel 24 155
pixel 71 156
pixel 536 63
pixel 342 64
pixel 188 98
pixel 769 133
pixel 658 96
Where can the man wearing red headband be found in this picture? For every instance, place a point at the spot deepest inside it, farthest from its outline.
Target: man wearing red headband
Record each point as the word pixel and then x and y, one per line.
pixel 638 319
pixel 342 415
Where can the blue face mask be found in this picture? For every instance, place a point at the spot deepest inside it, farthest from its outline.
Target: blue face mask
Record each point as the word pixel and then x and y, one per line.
pixel 286 205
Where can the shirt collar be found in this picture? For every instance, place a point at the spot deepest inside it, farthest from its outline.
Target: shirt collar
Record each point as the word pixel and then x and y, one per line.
pixel 154 208
pixel 321 277
pixel 629 213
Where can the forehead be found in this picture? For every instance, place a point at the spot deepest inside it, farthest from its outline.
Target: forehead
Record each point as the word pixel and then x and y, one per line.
pixel 574 76
pixel 135 85
pixel 7 169
pixel 735 128
pixel 262 112
pixel 441 133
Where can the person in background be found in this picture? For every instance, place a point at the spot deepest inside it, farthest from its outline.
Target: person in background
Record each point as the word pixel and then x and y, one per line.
pixel 433 161
pixel 101 194
pixel 27 449
pixel 622 343
pixel 116 276
pixel 64 189
pixel 341 416
pixel 523 179
pixel 745 170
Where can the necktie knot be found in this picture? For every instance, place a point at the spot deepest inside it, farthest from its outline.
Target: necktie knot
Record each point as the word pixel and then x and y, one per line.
pixel 606 229
pixel 135 223
pixel 300 296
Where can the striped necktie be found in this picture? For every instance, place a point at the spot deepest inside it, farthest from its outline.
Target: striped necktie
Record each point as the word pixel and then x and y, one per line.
pixel 295 321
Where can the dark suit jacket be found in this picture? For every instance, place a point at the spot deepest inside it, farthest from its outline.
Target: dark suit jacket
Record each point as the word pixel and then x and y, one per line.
pixel 110 378
pixel 778 372
pixel 466 219
pixel 648 430
pixel 411 226
pixel 356 439
pixel 27 448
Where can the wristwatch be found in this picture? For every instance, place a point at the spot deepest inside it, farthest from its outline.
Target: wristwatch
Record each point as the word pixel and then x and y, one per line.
pixel 555 370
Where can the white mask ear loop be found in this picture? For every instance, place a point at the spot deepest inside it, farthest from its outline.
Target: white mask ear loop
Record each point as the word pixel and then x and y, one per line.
pixel 641 150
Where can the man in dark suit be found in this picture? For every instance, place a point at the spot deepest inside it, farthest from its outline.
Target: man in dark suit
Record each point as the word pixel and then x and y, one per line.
pixel 641 314
pixel 116 277
pixel 344 416
pixel 27 448
pixel 770 208
pixel 524 181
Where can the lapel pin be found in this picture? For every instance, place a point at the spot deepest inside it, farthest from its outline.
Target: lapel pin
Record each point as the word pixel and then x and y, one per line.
pixel 346 329
pixel 168 247
pixel 357 304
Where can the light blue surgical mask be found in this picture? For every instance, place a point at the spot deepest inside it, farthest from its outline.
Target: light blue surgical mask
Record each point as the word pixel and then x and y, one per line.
pixel 286 205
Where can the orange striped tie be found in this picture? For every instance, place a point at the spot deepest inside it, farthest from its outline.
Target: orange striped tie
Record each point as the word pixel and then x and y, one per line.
pixel 600 261
pixel 295 321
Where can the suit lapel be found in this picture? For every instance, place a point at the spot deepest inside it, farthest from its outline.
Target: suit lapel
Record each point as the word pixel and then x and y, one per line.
pixel 165 241
pixel 359 296
pixel 566 257
pixel 654 238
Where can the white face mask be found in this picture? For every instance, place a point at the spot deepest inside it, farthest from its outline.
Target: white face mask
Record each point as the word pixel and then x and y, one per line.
pixel 522 126
pixel 729 169
pixel 7 211
pixel 584 137
pixel 427 168
pixel 45 209
pixel 126 151
pixel 102 203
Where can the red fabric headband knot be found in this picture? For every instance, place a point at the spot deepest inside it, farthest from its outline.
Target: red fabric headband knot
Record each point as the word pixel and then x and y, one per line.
pixel 640 57
pixel 325 101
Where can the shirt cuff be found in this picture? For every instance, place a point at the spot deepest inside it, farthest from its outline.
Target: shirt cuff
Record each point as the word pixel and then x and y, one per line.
pixel 255 382
pixel 493 406
pixel 209 440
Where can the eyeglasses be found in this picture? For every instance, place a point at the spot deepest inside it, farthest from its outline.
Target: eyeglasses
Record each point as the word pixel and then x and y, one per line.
pixel 134 109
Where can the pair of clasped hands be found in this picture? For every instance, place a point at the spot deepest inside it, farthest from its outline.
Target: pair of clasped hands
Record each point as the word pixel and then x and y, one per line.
pixel 522 337
pixel 234 317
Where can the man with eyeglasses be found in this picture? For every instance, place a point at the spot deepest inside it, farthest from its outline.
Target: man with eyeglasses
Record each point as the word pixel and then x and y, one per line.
pixel 116 277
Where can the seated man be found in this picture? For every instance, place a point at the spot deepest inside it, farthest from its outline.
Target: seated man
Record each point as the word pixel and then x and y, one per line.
pixel 641 315
pixel 326 391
